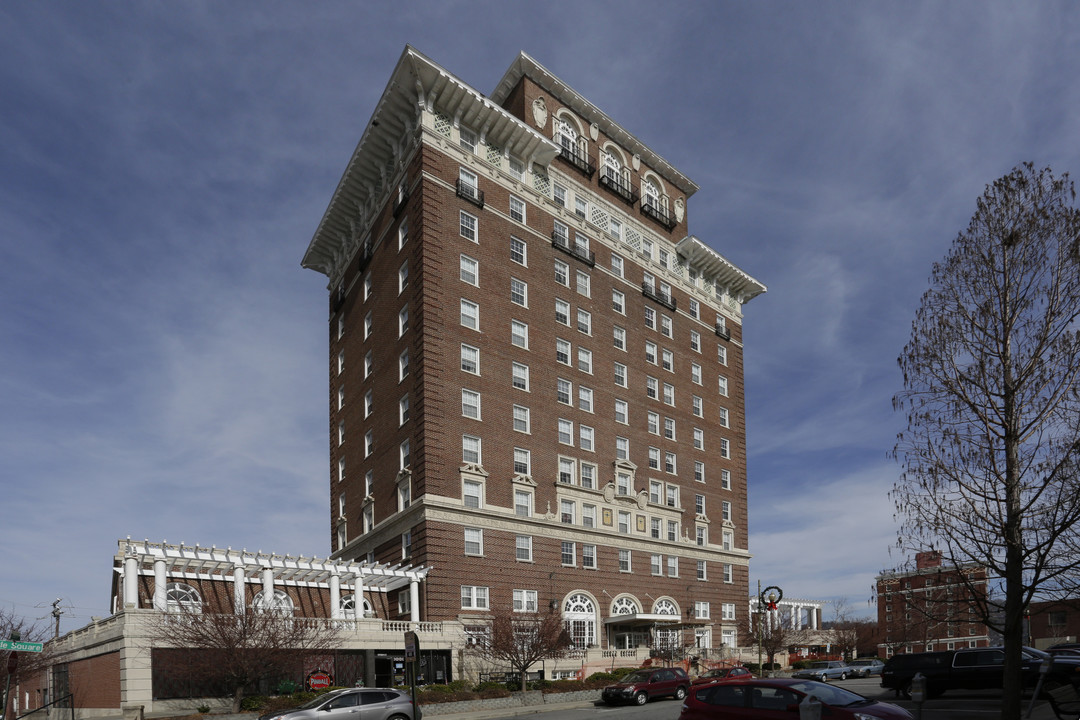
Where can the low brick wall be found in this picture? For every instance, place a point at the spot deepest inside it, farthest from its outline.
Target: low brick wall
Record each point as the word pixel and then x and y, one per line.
pixel 516 700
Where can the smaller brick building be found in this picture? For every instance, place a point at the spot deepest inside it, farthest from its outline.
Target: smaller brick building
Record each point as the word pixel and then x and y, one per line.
pixel 1056 621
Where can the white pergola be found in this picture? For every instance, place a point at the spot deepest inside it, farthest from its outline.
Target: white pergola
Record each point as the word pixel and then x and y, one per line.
pixel 163 562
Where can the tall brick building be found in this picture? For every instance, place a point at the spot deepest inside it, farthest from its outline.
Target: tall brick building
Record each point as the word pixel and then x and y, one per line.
pixel 536 372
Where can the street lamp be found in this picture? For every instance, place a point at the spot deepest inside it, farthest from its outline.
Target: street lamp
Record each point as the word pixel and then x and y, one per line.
pixel 772 595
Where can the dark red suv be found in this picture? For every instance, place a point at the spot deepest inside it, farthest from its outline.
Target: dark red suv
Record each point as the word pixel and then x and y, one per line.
pixel 642 685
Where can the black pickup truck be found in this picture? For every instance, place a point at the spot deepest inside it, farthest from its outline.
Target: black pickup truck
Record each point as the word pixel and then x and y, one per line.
pixel 972 669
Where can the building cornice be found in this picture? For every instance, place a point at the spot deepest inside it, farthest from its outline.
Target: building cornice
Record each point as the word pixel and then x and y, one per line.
pixel 701 257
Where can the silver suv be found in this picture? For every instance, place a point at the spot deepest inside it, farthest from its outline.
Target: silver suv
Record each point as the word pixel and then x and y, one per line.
pixel 362 703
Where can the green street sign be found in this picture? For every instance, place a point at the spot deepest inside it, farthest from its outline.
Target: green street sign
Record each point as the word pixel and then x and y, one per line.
pixel 20 646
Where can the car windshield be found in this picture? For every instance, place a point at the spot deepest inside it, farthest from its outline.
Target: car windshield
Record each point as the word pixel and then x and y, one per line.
pixel 1039 654
pixel 830 694
pixel 720 672
pixel 317 701
pixel 636 677
pixel 817 665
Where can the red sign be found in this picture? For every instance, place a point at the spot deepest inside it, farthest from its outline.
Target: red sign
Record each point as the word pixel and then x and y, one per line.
pixel 319 680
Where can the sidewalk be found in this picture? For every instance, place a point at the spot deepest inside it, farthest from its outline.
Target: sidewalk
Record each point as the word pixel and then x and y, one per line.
pixel 516 711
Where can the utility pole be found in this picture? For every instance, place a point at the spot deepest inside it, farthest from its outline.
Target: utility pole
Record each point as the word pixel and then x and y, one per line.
pixel 56 613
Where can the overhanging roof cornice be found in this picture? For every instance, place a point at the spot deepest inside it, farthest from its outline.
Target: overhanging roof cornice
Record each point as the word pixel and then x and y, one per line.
pixel 719 269
pixel 525 66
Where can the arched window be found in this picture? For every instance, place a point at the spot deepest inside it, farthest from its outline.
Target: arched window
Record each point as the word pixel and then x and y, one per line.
pixel 650 194
pixel 664 606
pixel 625 605
pixel 347 605
pixel 280 604
pixel 613 166
pixel 579 614
pixel 567 135
pixel 181 597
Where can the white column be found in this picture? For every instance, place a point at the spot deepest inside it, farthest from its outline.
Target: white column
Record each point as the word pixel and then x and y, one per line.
pixel 335 595
pixel 359 596
pixel 813 618
pixel 267 587
pixel 161 601
pixel 239 589
pixel 131 581
pixel 797 615
pixel 414 600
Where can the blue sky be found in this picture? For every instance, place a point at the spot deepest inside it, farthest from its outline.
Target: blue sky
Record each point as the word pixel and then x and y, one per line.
pixel 164 165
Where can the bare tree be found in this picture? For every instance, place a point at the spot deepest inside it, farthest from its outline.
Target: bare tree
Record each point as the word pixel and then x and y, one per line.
pixel 851 632
pixel 990 452
pixel 237 650
pixel 522 639
pixel 12 626
pixel 774 635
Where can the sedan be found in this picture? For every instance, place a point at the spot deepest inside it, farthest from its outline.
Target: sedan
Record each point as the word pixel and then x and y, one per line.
pixel 770 698
pixel 355 704
pixel 717 674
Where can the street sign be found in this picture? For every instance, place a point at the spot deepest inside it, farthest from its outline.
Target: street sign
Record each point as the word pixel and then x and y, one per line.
pixel 20 646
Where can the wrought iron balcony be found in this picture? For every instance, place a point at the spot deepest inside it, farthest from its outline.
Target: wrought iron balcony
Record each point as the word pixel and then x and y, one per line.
pixel 470 192
pixel 562 242
pixel 613 183
pixel 722 331
pixel 659 214
pixel 581 162
pixel 661 297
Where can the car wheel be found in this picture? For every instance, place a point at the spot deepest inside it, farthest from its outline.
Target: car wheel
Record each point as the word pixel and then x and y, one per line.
pixel 824 678
pixel 641 698
pixel 398 717
pixel 843 676
pixel 680 693
pixel 906 690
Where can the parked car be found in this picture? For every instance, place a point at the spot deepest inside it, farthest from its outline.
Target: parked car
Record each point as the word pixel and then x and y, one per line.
pixel 643 685
pixel 718 674
pixel 768 698
pixel 973 669
pixel 823 670
pixel 866 667
pixel 355 704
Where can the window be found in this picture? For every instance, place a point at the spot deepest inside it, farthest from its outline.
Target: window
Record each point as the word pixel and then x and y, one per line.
pixel 584 321
pixel 403 321
pixel 654 458
pixel 467 140
pixel 474 598
pixel 701 610
pixel 650 318
pixel 522 461
pixel 519 334
pixel 341 326
pixel 702 573
pixel 367 287
pixel 695 341
pixel 623 484
pixel 655 488
pixel 669 428
pixel 671 496
pixel 563 391
pixel 588 557
pixel 699 471
pixel 562 311
pixel 404 602
pixel 656 564
pixel 583 283
pixel 585 398
pixel 586 435
pixel 729 575
pixel 470 314
pixel 723 414
pixel 474 541
pixel 369 403
pixel 562 351
pixel 650 352
pixel 470 270
pixel 341 469
pixel 620 374
pixel 618 302
pixel 470 404
pixel 588 516
pixel 520 376
pixel 558 194
pixel 728 542
pixel 673 566
pixel 404 459
pixel 701 536
pixel 518 251
pixel 654 423
pixel 624 561
pixel 403 410
pixel 403 229
pixel 723 385
pixel 566 432
pixel 517 167
pixel 522 503
pixel 727 611
pixel 699 504
pixel 617 264
pixel 669 463
pixel 519 292
pixel 470 359
pixel 652 387
pixel 667 360
pixel 699 439
pixel 588 475
pixel 403 365
pixel 403 277
pixel 521 419
pixel 472 494
pixel 665 326
pixel 725 479
pixel 695 373
pixel 566 512
pixel 369 443
pixel 467 225
pixel 569 553
pixel 581 244
pixel 581 207
pixel 672 531
pixel 622 448
pixel 721 354
pixel 725 448
pixel 517 209
pixel 341 433
pixel 698 406
pixel 725 510
pixel 406 544
pixel 584 360
pixel 523 548
pixel 669 394
pixel 620 338
pixel 367 325
pixel 340 362
pixel 470 449
pixel 562 272
pixel 621 412
pixel 624 521
pixel 566 471
pixel 695 309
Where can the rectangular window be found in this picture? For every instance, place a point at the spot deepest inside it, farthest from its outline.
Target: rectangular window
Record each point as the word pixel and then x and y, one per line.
pixel 622 448
pixel 725 510
pixel 721 354
pixel 650 352
pixel 727 611
pixel 586 436
pixel 522 503
pixel 583 283
pixel 341 469
pixel 669 428
pixel 584 360
pixel 723 385
pixel 695 373
pixel 667 360
pixel 341 362
pixel 654 528
pixel 671 496
pixel 562 351
pixel 470 404
pixel 369 363
pixel 699 504
pixel 367 325
pixel 695 341
pixel 403 410
pixel 588 475
pixel 700 536
pixel 618 302
pixel 518 251
pixel 474 541
pixel 562 272
pixel 558 194
pixel 673 566
pixel 672 531
pixel 369 403
pixel 728 542
pixel 470 450
pixel 729 576
pixel 698 406
pixel 520 376
pixel 403 277
pixel 470 314
pixel 584 321
pixel 521 419
pixel 656 564
pixel 588 557
pixel 467 140
pixel 624 561
pixel 620 374
pixel 470 359
pixel 669 463
pixel 701 610
pixel 522 461
pixel 702 573
pixel 566 471
pixel 566 432
pixel 474 598
pixel 654 423
pixel 624 521
pixel 695 309
pixel 472 494
pixel 469 270
pixel 517 209
pixel 519 292
pixel 723 415
pixel 516 167
pixel 665 326
pixel 341 433
pixel 467 225
pixel 569 553
pixel 367 287
pixel 617 264
pixel 588 516
pixel 623 485
pixel 652 387
pixel 725 448
pixel 699 471
pixel 669 394
pixel 650 318
pixel 563 391
pixel 585 398
pixel 621 411
pixel 654 458
pixel 655 489
pixel 523 548
pixel 581 244
pixel 619 338
pixel 519 334
pixel 566 512
pixel 562 312
pixel 580 206
pixel 403 365
pixel 403 321
pixel 725 479
pixel 699 439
